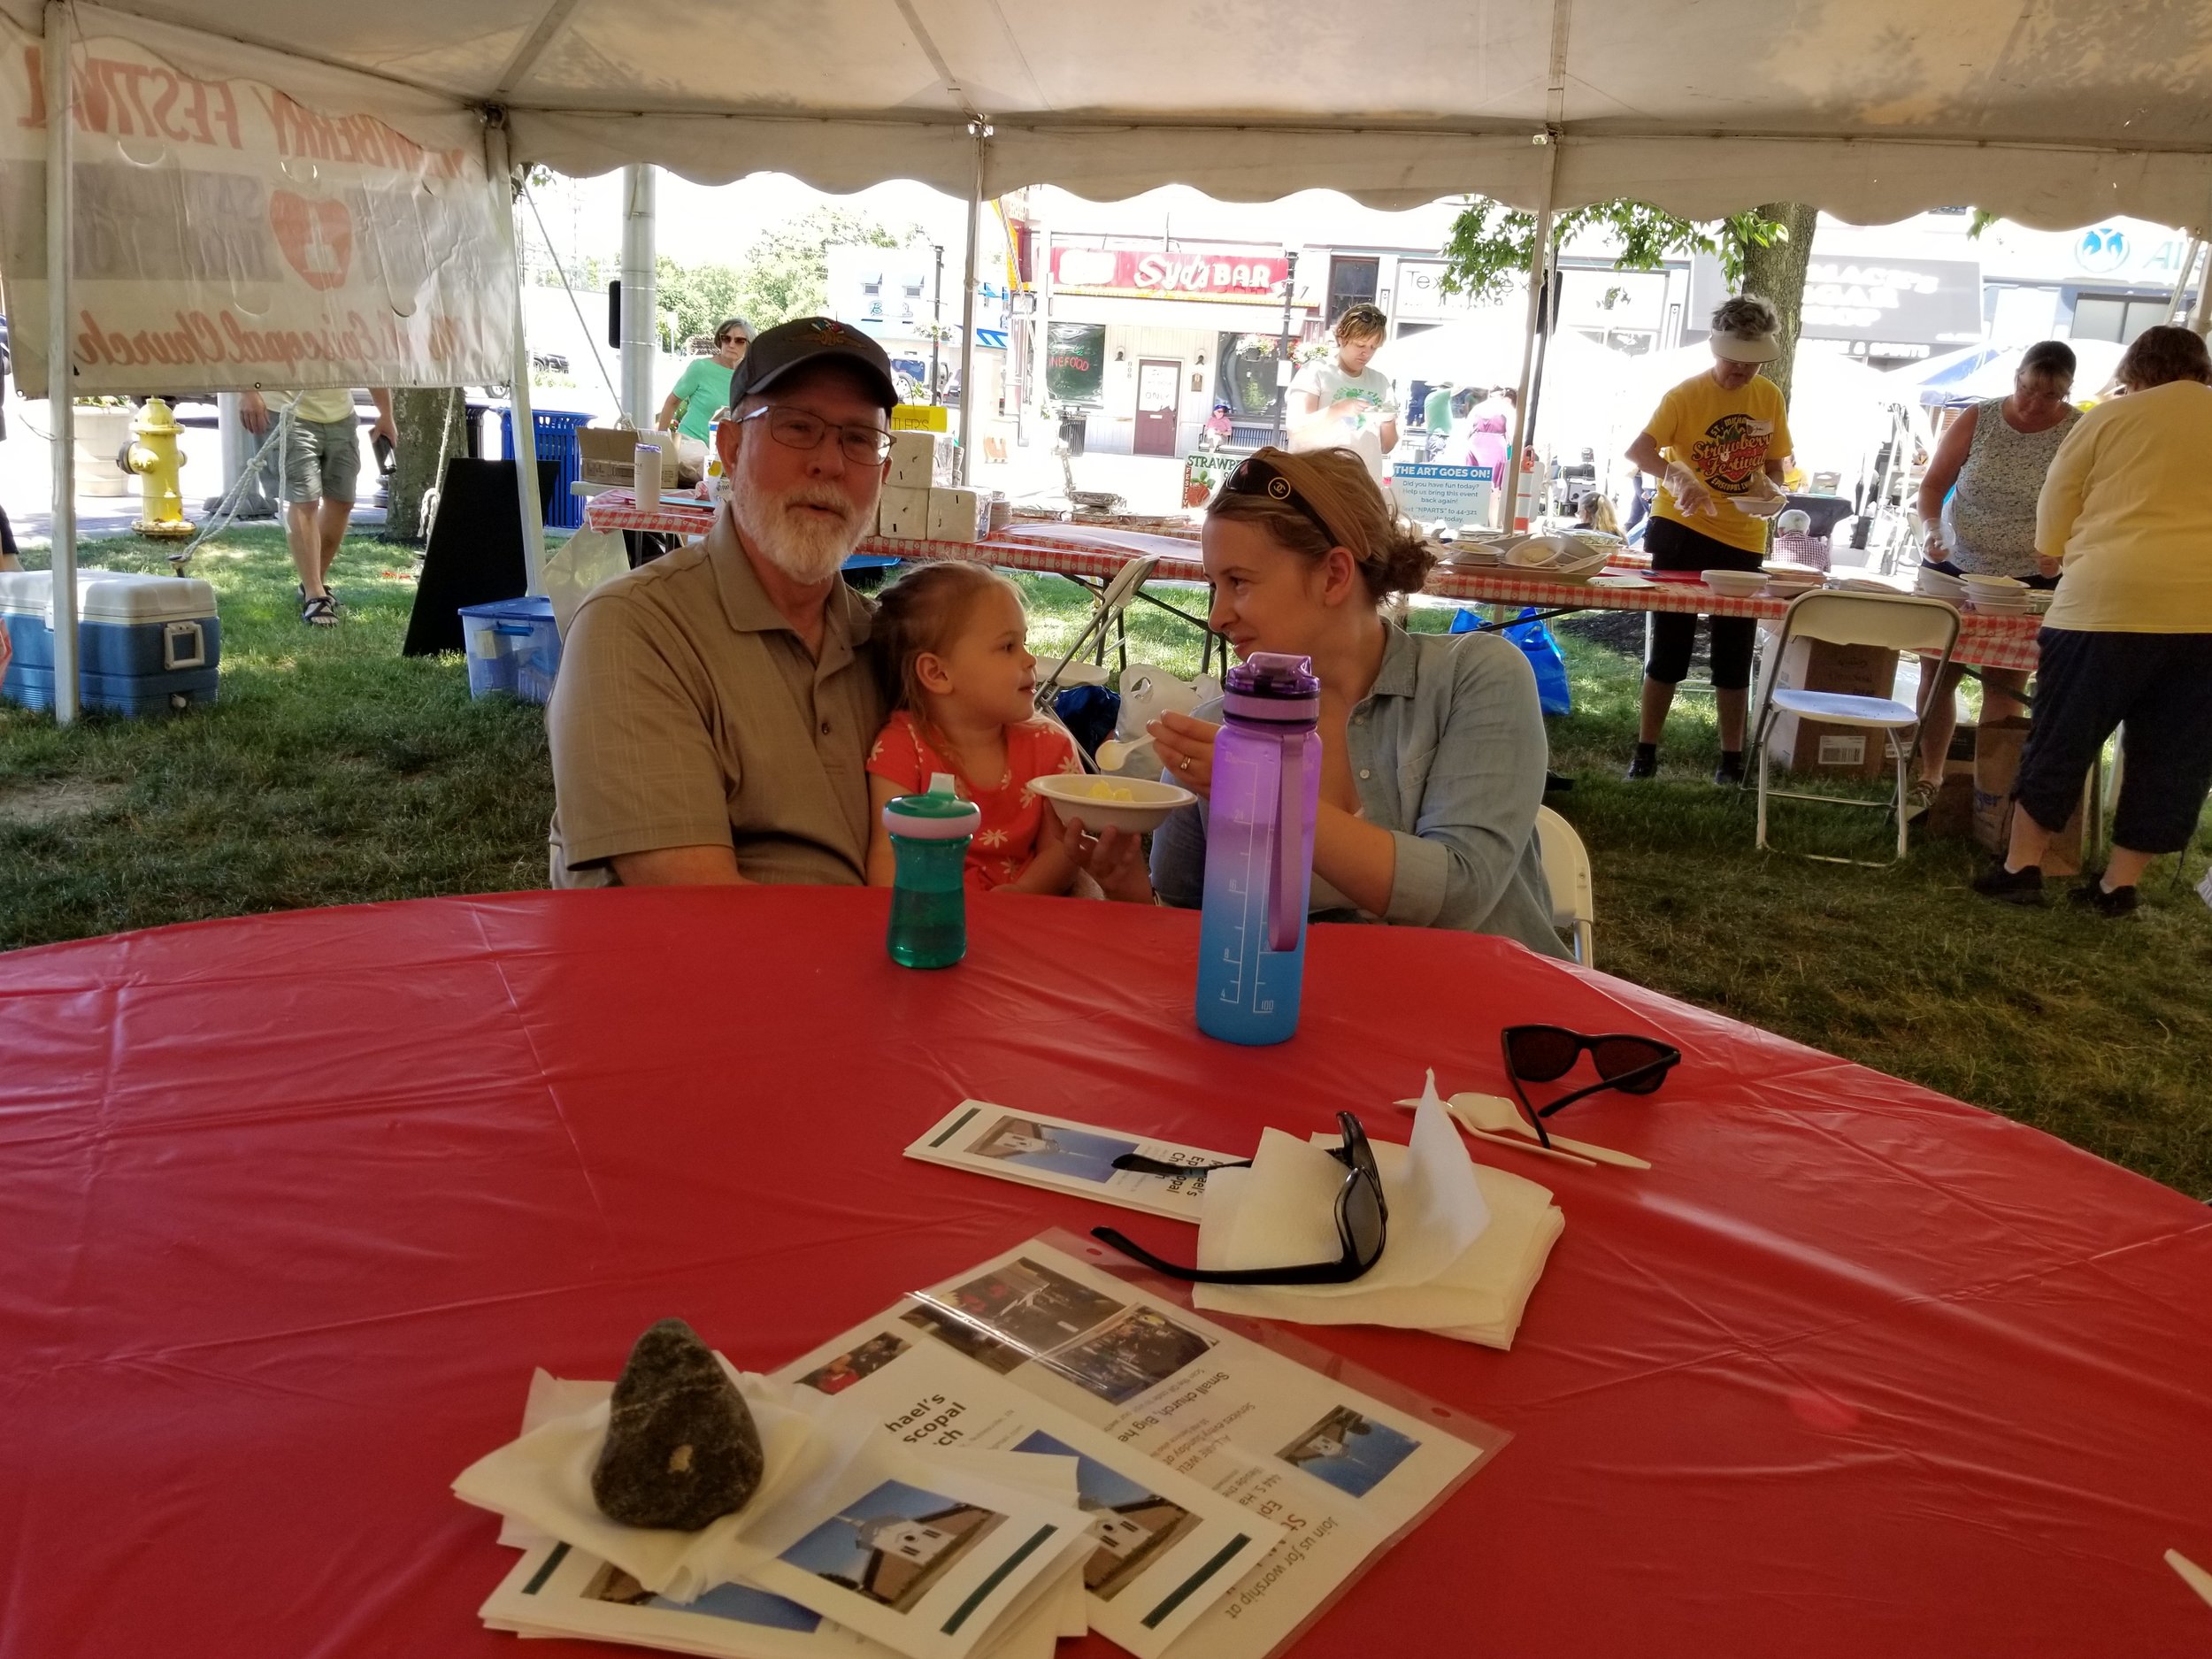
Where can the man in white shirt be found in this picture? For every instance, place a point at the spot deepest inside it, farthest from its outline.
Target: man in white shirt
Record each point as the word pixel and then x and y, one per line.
pixel 1341 401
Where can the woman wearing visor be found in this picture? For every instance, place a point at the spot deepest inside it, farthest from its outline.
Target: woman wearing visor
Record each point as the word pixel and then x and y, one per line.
pixel 1719 443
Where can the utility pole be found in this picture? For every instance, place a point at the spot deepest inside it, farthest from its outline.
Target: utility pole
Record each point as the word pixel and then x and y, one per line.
pixel 936 324
pixel 1282 369
pixel 640 316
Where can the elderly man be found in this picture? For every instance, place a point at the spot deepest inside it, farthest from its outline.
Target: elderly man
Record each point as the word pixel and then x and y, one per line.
pixel 714 709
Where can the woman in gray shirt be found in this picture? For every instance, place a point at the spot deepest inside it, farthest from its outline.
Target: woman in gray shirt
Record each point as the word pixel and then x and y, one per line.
pixel 1978 516
pixel 1433 747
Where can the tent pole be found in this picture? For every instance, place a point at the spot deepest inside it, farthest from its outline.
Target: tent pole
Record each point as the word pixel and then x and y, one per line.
pixel 2180 303
pixel 1539 268
pixel 980 131
pixel 60 371
pixel 524 419
pixel 641 308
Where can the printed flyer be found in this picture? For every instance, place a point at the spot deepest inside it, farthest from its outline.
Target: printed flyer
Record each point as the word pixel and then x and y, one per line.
pixel 1038 1149
pixel 1037 1345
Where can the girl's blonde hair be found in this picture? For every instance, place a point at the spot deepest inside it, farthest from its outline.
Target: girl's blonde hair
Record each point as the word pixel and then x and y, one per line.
pixel 1348 511
pixel 923 613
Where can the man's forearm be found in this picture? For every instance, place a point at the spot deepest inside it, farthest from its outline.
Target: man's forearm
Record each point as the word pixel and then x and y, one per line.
pixel 706 866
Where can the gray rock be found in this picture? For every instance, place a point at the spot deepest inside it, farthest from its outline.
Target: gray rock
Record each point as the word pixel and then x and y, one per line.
pixel 681 1447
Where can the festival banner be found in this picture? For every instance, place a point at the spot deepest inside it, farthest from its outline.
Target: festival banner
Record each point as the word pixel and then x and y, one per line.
pixel 232 235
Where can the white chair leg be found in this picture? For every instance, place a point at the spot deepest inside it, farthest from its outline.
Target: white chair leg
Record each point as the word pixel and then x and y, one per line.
pixel 1897 755
pixel 1760 845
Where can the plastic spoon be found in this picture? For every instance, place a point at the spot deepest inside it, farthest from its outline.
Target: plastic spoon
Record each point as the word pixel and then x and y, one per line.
pixel 1498 1116
pixel 1114 750
pixel 1514 1141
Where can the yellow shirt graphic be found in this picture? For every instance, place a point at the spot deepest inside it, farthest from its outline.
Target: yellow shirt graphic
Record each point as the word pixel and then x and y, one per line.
pixel 1726 438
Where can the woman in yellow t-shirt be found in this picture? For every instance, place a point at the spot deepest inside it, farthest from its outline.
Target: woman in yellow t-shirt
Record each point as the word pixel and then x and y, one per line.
pixel 2128 638
pixel 1720 443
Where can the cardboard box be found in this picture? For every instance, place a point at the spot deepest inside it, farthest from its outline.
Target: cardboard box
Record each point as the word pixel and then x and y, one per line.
pixel 1951 815
pixel 903 513
pixel 955 515
pixel 1815 746
pixel 608 455
pixel 1997 748
pixel 919 460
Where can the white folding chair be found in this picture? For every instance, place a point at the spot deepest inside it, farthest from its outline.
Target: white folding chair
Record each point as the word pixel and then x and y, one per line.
pixel 1567 873
pixel 1897 622
pixel 1113 601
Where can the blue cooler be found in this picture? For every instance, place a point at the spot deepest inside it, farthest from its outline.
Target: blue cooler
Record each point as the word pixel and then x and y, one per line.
pixel 513 647
pixel 145 644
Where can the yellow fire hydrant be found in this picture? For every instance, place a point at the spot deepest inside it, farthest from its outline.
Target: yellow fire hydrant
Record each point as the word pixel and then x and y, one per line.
pixel 155 458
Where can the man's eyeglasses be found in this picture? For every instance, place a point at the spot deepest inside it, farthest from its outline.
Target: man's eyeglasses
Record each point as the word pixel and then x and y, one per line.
pixel 795 429
pixel 1361 1220
pixel 1539 1054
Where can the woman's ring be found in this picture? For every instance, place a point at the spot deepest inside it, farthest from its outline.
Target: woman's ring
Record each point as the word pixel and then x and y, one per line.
pixel 1186 763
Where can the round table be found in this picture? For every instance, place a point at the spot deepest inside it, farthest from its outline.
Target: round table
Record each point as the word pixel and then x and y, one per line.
pixel 295 1203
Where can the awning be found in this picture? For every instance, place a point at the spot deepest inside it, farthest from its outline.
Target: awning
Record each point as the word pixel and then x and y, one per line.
pixel 2053 115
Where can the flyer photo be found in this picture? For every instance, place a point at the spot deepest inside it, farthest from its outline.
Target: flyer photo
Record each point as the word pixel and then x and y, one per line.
pixel 1133 1525
pixel 1030 1307
pixel 1060 1150
pixel 1135 1353
pixel 1351 1452
pixel 892 1544
pixel 740 1603
pixel 848 1368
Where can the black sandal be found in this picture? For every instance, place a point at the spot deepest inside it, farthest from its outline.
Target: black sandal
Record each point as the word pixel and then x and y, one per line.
pixel 318 613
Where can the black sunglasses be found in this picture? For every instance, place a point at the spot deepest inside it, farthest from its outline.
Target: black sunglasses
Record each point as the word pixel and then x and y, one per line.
pixel 1362 1219
pixel 1255 476
pixel 1537 1054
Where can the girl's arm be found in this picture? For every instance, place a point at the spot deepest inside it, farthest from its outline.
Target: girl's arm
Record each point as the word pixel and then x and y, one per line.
pixel 1051 871
pixel 882 863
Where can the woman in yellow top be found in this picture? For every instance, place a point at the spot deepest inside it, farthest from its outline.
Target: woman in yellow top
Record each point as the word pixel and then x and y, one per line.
pixel 1720 443
pixel 2123 519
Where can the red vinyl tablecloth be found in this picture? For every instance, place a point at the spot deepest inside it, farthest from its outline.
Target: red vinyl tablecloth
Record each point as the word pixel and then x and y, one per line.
pixel 294 1203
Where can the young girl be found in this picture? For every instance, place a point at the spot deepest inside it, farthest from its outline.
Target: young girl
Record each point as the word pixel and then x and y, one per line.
pixel 950 642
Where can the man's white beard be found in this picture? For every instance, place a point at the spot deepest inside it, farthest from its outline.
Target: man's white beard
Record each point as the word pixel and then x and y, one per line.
pixel 805 547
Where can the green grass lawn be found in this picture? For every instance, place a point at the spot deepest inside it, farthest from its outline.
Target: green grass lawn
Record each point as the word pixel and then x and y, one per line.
pixel 334 771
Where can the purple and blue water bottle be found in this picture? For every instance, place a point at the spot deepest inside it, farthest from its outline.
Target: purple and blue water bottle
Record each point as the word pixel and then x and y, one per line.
pixel 1259 850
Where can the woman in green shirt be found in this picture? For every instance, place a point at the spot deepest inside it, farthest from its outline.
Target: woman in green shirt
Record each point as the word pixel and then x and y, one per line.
pixel 703 386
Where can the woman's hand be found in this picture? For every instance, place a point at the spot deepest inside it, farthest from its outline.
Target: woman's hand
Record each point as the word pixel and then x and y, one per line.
pixel 1186 750
pixel 1689 491
pixel 1113 859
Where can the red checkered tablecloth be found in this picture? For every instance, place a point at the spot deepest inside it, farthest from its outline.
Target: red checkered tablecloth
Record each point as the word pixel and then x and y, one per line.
pixel 1097 551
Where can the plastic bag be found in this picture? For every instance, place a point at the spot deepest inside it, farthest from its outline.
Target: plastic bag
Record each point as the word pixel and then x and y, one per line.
pixel 577 566
pixel 1542 651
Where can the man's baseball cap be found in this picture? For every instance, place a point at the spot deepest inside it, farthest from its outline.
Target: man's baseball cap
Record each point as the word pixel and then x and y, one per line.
pixel 1746 346
pixel 779 351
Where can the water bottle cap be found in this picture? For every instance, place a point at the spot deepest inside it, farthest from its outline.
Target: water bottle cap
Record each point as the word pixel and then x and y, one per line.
pixel 931 818
pixel 1272 686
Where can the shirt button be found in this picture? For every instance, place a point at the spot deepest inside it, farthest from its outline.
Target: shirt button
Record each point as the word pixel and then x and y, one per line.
pixel 826 728
pixel 1364 772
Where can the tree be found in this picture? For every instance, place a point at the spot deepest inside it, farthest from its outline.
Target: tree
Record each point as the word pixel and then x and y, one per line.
pixel 1763 250
pixel 1775 270
pixel 785 273
pixel 702 296
pixel 428 422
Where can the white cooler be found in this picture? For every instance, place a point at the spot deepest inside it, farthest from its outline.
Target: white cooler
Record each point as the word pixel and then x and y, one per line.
pixel 145 644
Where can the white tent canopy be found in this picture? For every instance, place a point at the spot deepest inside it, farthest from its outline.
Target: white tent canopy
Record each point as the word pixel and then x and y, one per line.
pixel 2055 115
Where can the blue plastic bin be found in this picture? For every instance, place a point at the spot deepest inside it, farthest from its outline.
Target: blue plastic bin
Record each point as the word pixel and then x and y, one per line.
pixel 557 441
pixel 513 647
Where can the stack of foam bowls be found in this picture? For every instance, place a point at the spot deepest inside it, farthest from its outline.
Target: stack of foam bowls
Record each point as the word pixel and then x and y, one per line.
pixel 1934 584
pixel 1997 595
pixel 1560 557
pixel 1786 582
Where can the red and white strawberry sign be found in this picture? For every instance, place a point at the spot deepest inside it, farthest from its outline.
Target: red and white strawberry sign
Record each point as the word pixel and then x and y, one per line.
pixel 235 235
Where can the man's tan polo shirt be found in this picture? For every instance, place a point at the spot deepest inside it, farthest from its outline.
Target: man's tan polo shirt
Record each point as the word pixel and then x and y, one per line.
pixel 689 714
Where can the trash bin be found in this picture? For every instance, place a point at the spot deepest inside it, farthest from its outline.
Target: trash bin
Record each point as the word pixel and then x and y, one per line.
pixel 556 443
pixel 1071 432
